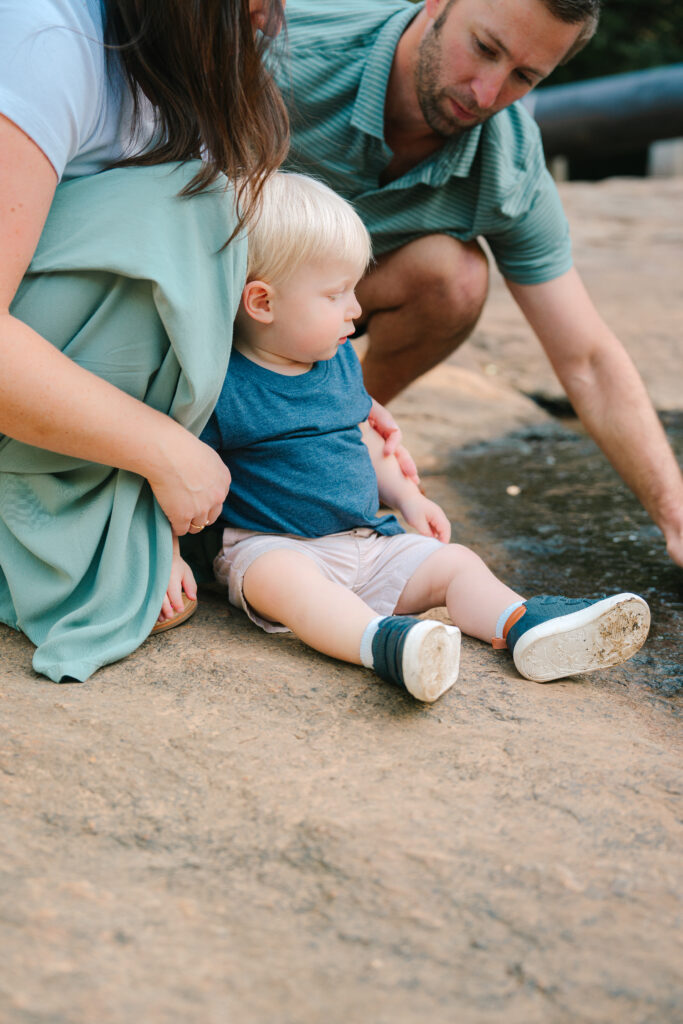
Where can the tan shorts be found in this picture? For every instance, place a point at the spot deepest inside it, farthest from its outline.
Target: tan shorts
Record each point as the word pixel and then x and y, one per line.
pixel 374 566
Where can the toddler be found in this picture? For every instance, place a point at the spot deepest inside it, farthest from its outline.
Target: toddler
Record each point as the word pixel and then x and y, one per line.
pixel 304 546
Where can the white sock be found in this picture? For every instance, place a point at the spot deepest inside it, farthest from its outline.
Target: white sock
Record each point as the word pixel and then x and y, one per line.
pixel 366 641
pixel 504 616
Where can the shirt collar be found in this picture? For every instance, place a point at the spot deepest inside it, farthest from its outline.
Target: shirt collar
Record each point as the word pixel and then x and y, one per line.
pixel 454 159
pixel 368 110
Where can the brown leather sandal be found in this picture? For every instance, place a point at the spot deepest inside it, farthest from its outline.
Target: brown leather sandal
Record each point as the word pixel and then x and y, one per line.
pixel 189 608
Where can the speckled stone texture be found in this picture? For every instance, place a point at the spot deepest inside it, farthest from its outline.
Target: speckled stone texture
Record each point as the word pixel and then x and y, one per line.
pixel 227 827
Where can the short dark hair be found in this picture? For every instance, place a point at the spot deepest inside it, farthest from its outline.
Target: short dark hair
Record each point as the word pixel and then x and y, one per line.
pixel 574 12
pixel 571 11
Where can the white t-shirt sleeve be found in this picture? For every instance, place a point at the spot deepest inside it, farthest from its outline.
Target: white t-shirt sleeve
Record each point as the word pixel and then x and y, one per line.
pixel 52 74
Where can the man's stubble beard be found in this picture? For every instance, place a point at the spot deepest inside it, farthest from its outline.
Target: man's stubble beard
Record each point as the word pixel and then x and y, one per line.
pixel 431 96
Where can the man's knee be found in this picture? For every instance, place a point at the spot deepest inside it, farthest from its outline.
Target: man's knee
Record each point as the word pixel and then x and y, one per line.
pixel 445 277
pixel 452 276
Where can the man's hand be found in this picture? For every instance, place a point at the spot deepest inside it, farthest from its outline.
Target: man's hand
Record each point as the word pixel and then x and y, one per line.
pixel 426 517
pixel 384 423
pixel 674 545
pixel 608 395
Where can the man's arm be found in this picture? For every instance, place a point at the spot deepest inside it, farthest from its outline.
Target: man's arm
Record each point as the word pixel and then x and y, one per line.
pixel 608 395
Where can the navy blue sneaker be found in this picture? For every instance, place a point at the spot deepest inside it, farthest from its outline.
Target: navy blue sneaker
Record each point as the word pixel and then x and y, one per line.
pixel 423 655
pixel 556 637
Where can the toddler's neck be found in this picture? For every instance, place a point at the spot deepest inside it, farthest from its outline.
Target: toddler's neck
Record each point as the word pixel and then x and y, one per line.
pixel 274 363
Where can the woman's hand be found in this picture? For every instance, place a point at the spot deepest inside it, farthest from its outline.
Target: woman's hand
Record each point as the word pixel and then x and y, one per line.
pixel 386 426
pixel 190 482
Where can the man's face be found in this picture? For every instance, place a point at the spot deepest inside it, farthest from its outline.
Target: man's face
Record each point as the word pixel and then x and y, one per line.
pixel 478 56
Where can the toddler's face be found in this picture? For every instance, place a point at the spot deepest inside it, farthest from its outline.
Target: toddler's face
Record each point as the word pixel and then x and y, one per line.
pixel 313 311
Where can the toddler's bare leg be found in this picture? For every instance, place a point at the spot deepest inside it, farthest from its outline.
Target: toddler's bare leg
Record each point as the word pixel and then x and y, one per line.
pixel 457 578
pixel 286 586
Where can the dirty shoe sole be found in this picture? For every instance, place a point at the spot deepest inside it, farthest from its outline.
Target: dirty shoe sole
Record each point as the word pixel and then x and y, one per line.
pixel 431 659
pixel 606 633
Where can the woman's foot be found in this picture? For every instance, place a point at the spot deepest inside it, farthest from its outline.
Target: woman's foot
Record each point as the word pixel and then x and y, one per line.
pixel 178 617
pixel 180 601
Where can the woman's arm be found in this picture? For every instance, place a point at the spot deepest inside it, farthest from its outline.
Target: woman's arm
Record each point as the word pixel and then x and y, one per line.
pixel 49 401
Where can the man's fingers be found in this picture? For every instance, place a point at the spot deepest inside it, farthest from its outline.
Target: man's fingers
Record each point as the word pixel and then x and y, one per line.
pixel 407 464
pixel 383 422
pixel 675 548
pixel 392 442
pixel 386 426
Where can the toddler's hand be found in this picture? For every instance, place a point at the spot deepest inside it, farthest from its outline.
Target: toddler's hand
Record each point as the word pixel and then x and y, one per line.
pixel 426 517
pixel 181 581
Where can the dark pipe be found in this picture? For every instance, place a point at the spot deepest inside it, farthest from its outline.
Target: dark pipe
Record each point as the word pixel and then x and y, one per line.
pixel 616 114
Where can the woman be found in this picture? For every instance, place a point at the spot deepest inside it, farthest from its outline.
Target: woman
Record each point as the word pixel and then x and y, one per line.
pixel 112 345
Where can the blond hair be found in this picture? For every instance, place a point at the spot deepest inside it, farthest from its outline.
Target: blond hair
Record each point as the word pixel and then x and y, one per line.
pixel 302 221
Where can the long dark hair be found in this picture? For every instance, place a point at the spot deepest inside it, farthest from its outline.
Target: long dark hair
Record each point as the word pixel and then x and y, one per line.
pixel 200 66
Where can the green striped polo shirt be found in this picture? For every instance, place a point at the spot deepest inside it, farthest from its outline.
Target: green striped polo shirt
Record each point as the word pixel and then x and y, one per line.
pixel 333 66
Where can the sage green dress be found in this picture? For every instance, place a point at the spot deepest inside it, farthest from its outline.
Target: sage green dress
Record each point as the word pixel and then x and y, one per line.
pixel 133 283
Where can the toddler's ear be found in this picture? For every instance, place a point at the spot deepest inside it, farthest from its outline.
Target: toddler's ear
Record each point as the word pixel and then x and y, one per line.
pixel 257 301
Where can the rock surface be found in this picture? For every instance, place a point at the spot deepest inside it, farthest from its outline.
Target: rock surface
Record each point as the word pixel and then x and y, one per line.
pixel 229 827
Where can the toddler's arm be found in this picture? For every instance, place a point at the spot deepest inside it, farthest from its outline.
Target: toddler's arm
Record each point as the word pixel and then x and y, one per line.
pixel 397 491
pixel 182 580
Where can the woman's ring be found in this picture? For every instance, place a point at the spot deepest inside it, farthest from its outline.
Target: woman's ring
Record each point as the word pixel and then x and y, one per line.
pixel 199 528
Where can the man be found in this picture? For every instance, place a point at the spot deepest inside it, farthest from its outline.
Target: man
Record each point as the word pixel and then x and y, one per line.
pixel 393 106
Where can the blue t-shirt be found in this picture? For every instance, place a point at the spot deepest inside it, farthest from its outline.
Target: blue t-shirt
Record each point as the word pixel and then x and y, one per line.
pixel 57 85
pixel 294 449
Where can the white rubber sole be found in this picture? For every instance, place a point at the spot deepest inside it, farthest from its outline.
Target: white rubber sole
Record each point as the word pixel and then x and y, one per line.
pixel 431 659
pixel 604 634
